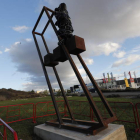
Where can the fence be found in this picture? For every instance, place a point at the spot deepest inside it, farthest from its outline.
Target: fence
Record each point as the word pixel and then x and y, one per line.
pixel 80 109
pixel 19 112
pixel 47 109
pixel 125 111
pixel 6 126
pixel 137 106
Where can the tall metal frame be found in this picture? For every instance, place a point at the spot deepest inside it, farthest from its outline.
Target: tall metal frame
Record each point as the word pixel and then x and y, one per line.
pixel 72 123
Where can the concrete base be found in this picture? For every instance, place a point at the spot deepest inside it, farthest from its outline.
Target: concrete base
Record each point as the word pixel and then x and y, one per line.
pixel 46 132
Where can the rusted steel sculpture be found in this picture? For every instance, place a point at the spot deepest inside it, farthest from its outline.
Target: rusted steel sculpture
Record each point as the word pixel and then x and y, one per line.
pixel 69 44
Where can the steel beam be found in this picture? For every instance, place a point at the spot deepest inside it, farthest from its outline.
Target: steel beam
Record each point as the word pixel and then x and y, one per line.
pixel 96 87
pixel 59 82
pixel 48 81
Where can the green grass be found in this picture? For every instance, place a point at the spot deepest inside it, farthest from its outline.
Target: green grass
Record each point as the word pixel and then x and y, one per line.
pixel 24 128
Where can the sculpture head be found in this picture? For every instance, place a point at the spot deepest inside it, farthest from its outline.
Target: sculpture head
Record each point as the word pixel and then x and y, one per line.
pixel 62 7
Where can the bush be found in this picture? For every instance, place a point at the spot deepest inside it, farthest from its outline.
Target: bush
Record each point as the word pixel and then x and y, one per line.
pixel 138 96
pixel 68 91
pixel 32 91
pixel 11 94
pixel 105 90
pixel 59 94
pixel 128 89
pixel 74 94
pixel 45 92
pixel 2 98
pixel 10 89
pixel 68 94
pixel 82 95
pixel 113 96
pixel 132 89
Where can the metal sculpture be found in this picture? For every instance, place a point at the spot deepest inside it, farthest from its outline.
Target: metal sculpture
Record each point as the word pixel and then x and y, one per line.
pixel 69 44
pixel 63 22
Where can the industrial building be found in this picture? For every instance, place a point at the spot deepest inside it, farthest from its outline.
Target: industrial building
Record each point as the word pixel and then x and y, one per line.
pixel 110 84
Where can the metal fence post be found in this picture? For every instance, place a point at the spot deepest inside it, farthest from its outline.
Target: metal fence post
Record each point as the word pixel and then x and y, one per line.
pixel 138 118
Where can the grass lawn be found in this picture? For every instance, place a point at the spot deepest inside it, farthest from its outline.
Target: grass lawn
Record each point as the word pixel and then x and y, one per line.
pixel 24 128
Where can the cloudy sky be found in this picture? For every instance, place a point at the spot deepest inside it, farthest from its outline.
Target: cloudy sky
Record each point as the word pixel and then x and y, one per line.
pixel 110 28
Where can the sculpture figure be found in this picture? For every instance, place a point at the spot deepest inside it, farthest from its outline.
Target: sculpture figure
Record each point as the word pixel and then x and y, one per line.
pixel 63 22
pixel 70 44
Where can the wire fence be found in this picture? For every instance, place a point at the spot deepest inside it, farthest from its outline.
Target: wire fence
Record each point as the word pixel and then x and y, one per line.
pixel 126 112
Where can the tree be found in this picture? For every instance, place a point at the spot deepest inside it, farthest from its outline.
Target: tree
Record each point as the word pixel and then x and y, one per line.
pixel 59 93
pixel 68 91
pixel 32 91
pixel 45 92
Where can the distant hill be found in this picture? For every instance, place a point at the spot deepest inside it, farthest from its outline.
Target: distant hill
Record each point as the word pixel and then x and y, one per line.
pixel 11 94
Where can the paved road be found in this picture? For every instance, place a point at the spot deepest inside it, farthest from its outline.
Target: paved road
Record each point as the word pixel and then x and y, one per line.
pixel 119 93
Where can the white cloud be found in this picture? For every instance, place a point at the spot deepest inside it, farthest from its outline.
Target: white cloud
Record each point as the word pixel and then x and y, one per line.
pixel 119 54
pixel 105 48
pixel 20 29
pixel 29 86
pixel 6 50
pixel 88 61
pixel 137 67
pixel 81 70
pixel 16 43
pixel 0 52
pixel 119 76
pixel 126 61
pixel 28 39
pixel 136 49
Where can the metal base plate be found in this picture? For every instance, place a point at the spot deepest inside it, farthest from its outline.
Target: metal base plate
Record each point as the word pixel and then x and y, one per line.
pixel 87 127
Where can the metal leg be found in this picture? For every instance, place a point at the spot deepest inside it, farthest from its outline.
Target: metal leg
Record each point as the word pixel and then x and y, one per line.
pixel 49 84
pixel 89 97
pixel 96 87
pixel 60 84
pixel 63 93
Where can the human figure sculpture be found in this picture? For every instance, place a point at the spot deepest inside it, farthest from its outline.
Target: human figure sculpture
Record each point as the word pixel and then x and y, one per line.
pixel 75 45
pixel 63 22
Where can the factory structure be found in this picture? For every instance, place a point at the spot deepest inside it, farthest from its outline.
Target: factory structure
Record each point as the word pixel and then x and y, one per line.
pixel 111 83
pixel 119 84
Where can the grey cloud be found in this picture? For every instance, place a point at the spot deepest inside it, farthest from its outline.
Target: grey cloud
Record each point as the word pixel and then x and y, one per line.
pixel 97 21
